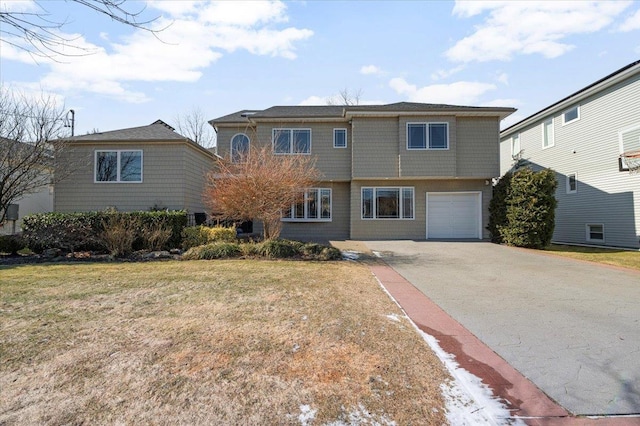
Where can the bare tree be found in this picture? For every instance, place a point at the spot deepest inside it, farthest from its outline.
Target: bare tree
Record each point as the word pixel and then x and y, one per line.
pixel 194 126
pixel 346 97
pixel 259 186
pixel 27 155
pixel 37 32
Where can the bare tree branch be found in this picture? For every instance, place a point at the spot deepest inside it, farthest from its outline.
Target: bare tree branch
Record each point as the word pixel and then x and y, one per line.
pixel 38 33
pixel 27 155
pixel 346 97
pixel 194 126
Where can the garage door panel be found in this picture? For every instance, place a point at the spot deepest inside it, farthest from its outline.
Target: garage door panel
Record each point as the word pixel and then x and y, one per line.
pixel 453 215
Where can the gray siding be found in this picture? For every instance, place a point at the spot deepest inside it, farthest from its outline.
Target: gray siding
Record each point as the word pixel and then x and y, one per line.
pixel 436 163
pixel 165 183
pixel 367 229
pixel 590 148
pixel 375 147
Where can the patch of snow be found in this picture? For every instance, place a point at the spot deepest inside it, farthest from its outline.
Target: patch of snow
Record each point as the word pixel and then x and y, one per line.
pixel 468 400
pixel 306 415
pixel 393 317
pixel 351 255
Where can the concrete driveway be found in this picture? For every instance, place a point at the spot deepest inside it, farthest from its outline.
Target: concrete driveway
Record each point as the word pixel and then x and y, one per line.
pixel 571 327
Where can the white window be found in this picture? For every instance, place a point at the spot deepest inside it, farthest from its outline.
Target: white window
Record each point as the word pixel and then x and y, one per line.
pixel 571 115
pixel 595 232
pixel 547 134
pixel 572 183
pixel 388 203
pixel 339 138
pixel 515 145
pixel 427 136
pixel 239 147
pixel 118 166
pixel 313 205
pixel 292 141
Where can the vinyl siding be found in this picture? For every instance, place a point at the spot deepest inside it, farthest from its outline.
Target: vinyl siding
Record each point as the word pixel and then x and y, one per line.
pixel 375 147
pixel 590 148
pixel 196 167
pixel 427 162
pixel 477 147
pixel 164 182
pixel 365 229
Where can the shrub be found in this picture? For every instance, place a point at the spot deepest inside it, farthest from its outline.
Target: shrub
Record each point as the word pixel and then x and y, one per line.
pixel 11 244
pixel 83 231
pixel 279 249
pixel 523 214
pixel 119 233
pixel 498 208
pixel 218 250
pixel 329 253
pixel 155 236
pixel 199 235
pixel 65 231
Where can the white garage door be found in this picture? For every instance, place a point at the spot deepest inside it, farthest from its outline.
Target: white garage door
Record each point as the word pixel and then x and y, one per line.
pixel 454 215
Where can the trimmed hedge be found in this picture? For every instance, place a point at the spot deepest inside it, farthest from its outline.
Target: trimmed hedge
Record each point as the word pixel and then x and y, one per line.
pixel 11 244
pixel 86 231
pixel 522 211
pixel 270 249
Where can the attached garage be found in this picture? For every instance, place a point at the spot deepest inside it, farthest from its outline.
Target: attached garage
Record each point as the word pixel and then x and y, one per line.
pixel 456 215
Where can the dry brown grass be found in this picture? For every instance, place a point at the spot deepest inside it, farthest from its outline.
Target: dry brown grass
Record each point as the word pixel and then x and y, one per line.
pixel 223 342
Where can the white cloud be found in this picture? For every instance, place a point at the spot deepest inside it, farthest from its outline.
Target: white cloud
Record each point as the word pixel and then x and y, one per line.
pixel 458 93
pixel 316 100
pixel 335 100
pixel 370 69
pixel 631 23
pixel 440 74
pixel 506 102
pixel 503 78
pixel 533 27
pixel 195 34
pixel 17 6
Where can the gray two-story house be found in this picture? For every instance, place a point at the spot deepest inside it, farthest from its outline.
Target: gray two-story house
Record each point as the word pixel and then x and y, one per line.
pixel 584 137
pixel 396 171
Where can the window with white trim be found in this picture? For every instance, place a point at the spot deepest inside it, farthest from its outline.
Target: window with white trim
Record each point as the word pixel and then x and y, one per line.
pixel 571 115
pixel 339 138
pixel 120 166
pixel 515 145
pixel 239 147
pixel 388 203
pixel 572 183
pixel 547 134
pixel 291 141
pixel 313 205
pixel 427 136
pixel 595 232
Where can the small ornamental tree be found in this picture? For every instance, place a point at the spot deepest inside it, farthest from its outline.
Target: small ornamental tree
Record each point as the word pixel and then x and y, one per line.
pixel 259 186
pixel 522 212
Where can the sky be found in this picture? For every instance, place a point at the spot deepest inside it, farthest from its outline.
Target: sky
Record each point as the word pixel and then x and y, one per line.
pixel 222 57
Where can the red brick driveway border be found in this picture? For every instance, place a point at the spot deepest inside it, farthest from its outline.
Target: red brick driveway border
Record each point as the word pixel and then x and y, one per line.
pixel 521 397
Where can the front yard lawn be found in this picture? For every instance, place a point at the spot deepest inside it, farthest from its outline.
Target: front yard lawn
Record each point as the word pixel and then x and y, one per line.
pixel 196 342
pixel 624 258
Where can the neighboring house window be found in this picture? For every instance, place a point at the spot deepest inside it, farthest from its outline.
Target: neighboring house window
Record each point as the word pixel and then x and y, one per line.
pixel 547 134
pixel 572 183
pixel 388 203
pixel 292 141
pixel 595 233
pixel 118 166
pixel 314 205
pixel 515 145
pixel 571 115
pixel 427 136
pixel 339 138
pixel 239 147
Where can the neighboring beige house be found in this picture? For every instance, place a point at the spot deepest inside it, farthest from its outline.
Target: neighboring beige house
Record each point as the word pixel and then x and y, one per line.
pixel 582 138
pixel 140 168
pixel 37 202
pixel 397 171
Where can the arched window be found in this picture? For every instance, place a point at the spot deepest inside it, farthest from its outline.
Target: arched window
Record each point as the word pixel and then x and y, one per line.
pixel 239 147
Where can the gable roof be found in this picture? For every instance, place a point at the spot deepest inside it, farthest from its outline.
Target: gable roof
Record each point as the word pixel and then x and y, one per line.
pixel 598 86
pixel 313 112
pixel 157 131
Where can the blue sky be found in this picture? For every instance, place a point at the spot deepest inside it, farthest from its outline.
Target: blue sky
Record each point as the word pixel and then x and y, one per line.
pixel 227 56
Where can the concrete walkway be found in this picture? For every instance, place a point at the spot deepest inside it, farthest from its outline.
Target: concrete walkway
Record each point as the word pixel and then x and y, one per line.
pixel 571 328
